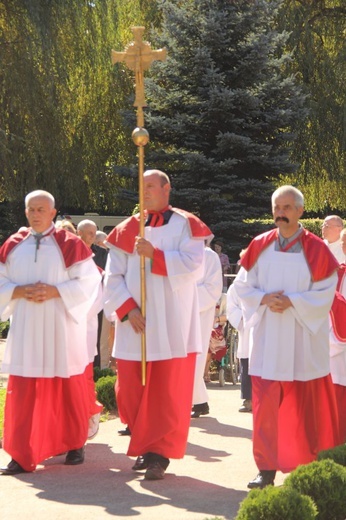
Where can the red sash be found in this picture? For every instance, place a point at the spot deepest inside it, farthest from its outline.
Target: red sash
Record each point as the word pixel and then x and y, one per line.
pixel 72 248
pixel 338 310
pixel 320 260
pixel 123 236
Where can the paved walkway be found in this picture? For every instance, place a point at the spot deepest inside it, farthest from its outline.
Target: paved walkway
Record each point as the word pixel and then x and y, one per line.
pixel 209 482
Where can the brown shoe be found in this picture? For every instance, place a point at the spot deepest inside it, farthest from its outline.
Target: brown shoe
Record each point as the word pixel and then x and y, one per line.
pixel 154 472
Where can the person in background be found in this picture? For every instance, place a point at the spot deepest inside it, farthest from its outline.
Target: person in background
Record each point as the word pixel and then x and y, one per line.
pixel 107 331
pixel 86 230
pixel 157 413
pixel 217 341
pixel 225 265
pixel 331 229
pixel 235 317
pixel 343 241
pixel 47 279
pixel 66 224
pixel 337 339
pixel 100 239
pixel 286 286
pixel 209 289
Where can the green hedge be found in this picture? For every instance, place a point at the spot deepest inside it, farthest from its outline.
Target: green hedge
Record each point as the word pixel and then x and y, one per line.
pixel 276 503
pixel 325 482
pixel 322 481
pixel 4 326
pixel 102 372
pixel 105 392
pixel 337 454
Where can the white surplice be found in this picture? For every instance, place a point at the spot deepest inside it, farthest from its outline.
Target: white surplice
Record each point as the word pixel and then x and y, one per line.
pixel 46 339
pixel 293 345
pixel 235 317
pixel 209 289
pixel 172 310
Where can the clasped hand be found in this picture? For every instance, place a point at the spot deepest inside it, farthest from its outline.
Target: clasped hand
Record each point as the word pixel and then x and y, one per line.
pixel 276 301
pixel 38 292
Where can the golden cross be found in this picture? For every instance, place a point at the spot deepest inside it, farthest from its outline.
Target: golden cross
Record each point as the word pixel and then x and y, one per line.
pixel 138 56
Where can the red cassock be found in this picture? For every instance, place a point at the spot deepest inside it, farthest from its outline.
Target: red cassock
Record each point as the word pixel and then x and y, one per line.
pixel 158 413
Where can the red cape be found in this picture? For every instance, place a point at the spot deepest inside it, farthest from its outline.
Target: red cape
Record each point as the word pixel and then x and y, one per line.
pixel 72 247
pixel 320 260
pixel 124 234
pixel 338 310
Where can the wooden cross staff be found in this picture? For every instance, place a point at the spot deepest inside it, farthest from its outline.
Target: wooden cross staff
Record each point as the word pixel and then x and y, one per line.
pixel 138 56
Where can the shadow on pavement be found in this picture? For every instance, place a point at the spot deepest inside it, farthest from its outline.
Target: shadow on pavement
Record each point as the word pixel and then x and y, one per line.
pixel 106 480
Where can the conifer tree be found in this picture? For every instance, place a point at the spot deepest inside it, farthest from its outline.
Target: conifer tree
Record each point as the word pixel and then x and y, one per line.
pixel 221 112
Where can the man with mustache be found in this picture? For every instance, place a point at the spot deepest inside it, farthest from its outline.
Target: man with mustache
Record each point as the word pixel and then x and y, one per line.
pixel 286 285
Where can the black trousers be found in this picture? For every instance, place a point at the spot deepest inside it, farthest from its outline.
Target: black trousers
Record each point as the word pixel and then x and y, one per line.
pixel 245 379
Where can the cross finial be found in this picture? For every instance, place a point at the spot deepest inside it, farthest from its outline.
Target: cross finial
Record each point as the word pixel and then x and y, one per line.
pixel 138 56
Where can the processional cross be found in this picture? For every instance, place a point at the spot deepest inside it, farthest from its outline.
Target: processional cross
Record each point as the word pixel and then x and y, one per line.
pixel 138 56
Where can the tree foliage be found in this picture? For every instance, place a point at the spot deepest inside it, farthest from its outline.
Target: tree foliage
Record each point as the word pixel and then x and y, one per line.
pixel 61 100
pixel 317 41
pixel 221 112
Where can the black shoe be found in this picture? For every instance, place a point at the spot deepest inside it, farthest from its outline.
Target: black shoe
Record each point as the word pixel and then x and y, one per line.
pixel 264 478
pixel 75 457
pixel 125 431
pixel 199 409
pixel 142 462
pixel 13 468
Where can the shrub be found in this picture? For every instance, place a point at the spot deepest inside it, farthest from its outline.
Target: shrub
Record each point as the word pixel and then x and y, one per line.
pixel 102 372
pixel 276 503
pixel 105 391
pixel 325 482
pixel 337 454
pixel 4 326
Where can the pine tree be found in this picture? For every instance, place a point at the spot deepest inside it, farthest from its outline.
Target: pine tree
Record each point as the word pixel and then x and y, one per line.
pixel 221 112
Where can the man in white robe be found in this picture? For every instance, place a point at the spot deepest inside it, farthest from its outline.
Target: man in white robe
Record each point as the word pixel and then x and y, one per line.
pixel 337 338
pixel 47 283
pixel 209 291
pixel 235 317
pixel 286 286
pixel 158 413
pixel 87 230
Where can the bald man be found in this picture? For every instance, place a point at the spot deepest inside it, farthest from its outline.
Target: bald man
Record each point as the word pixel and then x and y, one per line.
pixel 331 229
